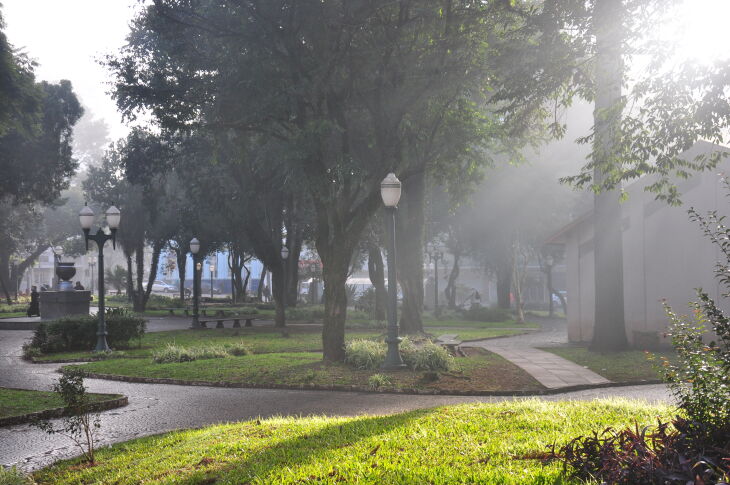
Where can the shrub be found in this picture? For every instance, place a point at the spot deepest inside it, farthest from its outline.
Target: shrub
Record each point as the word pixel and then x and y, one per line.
pixel 13 476
pixel 155 302
pixel 315 312
pixel 478 313
pixel 665 454
pixel 80 425
pixel 173 353
pixel 176 353
pixel 364 354
pixel 238 349
pixel 377 381
pixel 429 357
pixel 79 332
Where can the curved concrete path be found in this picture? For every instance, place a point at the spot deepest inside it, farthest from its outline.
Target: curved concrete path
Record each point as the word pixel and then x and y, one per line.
pixel 548 369
pixel 155 408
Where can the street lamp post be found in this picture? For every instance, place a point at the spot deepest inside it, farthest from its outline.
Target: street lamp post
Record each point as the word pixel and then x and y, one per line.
pixel 194 248
pixel 390 191
pixel 284 256
pixel 86 218
pixel 211 267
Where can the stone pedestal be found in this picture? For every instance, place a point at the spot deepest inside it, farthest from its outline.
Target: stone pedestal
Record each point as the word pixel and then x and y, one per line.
pixel 57 304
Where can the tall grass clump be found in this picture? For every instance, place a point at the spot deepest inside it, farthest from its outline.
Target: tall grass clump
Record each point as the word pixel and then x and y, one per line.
pixel 364 354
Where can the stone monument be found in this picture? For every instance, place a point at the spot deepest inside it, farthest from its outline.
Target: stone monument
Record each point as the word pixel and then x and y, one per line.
pixel 66 301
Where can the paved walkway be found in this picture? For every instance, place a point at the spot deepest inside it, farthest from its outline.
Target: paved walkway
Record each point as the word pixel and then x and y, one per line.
pixel 156 408
pixel 548 369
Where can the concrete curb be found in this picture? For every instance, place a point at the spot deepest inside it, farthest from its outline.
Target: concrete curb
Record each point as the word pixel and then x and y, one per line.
pixel 312 387
pixel 59 412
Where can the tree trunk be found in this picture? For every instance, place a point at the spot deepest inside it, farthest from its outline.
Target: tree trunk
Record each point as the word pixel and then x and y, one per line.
pixel 130 280
pixel 450 290
pixel 5 277
pixel 260 289
pixel 334 271
pixel 294 244
pixel 279 291
pixel 504 285
pixel 182 261
pixel 376 271
pixel 137 301
pixel 609 331
pixel 410 252
pixel 517 280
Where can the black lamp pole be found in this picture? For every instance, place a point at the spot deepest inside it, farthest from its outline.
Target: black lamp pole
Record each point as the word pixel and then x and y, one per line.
pixel 390 190
pixel 194 248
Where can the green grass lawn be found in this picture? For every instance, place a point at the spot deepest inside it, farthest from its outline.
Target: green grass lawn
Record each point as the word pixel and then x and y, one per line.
pixel 13 315
pixel 481 371
pixel 472 443
pixel 15 402
pixel 631 365
pixel 260 340
pixel 430 322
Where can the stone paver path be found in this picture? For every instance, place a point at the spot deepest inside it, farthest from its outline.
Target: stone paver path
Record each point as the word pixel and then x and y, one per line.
pixel 156 408
pixel 548 369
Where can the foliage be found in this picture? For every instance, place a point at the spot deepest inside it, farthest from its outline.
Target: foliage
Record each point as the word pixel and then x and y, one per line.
pixel 478 313
pixel 178 353
pixel 428 357
pixel 79 332
pixel 13 476
pixel 80 425
pixel 364 354
pixel 667 454
pixel 116 278
pixel 376 381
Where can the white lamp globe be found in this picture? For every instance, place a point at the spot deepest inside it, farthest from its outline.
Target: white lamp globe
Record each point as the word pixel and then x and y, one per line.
pixel 194 245
pixel 390 189
pixel 113 216
pixel 86 217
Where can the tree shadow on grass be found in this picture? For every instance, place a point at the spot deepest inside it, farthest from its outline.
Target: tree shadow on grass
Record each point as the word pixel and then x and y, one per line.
pixel 309 448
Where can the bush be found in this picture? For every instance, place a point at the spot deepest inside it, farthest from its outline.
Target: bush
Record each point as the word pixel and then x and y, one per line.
pixel 156 302
pixel 315 312
pixel 364 354
pixel 13 309
pixel 238 349
pixel 176 353
pixel 79 332
pixel 478 313
pixel 377 381
pixel 13 476
pixel 173 353
pixel 667 454
pixel 428 357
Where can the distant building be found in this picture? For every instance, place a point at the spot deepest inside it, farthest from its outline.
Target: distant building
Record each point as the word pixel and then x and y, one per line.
pixel 665 256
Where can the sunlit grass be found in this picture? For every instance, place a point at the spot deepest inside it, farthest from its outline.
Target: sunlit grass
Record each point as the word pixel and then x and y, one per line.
pixel 475 443
pixel 630 365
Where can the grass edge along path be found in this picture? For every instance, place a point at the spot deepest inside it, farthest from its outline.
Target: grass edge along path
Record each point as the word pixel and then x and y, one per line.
pixel 624 366
pixel 470 443
pixel 23 405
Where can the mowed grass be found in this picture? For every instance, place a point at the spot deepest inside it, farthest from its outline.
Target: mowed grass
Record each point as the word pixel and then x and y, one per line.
pixel 472 443
pixel 259 340
pixel 630 365
pixel 481 371
pixel 430 322
pixel 16 402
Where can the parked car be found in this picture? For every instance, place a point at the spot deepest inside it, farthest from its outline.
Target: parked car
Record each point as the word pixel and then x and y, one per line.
pixel 162 287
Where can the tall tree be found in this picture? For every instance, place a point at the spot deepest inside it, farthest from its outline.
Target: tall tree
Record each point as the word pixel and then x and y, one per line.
pixel 341 82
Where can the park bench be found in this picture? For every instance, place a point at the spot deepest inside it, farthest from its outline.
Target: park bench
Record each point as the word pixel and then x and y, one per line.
pixel 236 319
